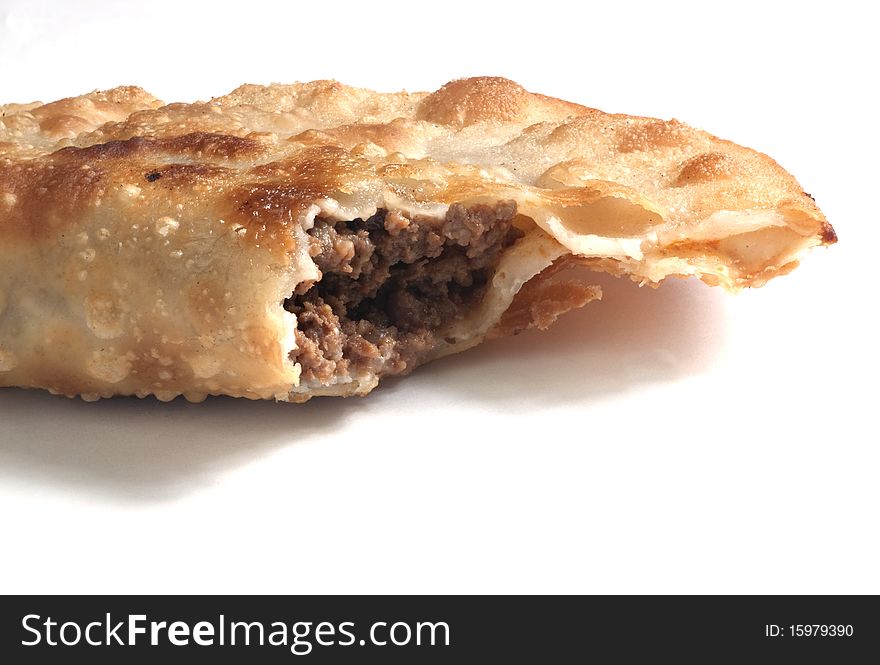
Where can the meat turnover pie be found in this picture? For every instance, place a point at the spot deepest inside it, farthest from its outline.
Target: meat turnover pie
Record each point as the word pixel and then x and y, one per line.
pixel 288 241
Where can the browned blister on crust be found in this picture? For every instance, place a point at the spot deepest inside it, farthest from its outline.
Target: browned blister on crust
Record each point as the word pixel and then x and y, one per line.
pixel 177 249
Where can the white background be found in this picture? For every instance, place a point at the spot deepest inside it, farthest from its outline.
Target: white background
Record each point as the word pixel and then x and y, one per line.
pixel 678 440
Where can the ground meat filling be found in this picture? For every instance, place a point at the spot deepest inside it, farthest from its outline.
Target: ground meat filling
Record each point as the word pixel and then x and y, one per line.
pixel 390 283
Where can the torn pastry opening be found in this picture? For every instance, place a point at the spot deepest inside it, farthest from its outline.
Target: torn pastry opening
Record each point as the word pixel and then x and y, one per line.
pixel 400 288
pixel 393 286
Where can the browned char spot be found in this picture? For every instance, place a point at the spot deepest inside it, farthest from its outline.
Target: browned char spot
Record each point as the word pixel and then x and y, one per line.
pixel 278 192
pixel 706 167
pixel 204 144
pixel 467 101
pixel 177 175
pixel 644 135
pixel 195 144
pixel 829 235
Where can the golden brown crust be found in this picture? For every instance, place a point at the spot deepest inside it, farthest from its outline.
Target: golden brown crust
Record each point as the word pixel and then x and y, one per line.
pixel 146 248
pixel 544 299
